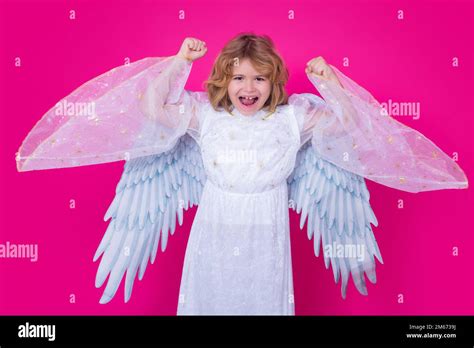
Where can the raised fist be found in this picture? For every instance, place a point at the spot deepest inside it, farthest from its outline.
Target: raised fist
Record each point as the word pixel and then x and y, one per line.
pixel 318 66
pixel 192 49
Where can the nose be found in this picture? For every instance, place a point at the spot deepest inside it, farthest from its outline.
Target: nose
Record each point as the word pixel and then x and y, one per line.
pixel 249 86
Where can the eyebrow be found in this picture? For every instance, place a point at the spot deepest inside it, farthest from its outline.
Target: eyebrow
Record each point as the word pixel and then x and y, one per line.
pixel 244 75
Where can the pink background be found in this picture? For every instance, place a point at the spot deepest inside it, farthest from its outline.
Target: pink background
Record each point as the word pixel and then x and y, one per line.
pixel 404 60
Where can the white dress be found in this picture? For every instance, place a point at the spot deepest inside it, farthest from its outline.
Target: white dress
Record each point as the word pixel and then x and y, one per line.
pixel 238 257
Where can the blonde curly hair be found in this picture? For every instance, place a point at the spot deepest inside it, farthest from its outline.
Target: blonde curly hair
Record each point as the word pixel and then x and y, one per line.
pixel 260 50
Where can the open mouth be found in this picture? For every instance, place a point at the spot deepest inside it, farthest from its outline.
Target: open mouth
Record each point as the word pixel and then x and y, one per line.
pixel 248 101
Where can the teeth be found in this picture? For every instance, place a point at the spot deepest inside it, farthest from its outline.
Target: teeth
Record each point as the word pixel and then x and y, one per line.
pixel 248 97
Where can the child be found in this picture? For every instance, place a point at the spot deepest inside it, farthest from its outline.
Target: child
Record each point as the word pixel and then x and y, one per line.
pixel 249 132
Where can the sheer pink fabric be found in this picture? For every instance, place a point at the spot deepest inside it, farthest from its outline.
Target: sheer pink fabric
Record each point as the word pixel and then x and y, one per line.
pixel 142 109
pixel 353 131
pixel 131 111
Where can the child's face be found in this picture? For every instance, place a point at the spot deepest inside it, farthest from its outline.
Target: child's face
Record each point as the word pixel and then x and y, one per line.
pixel 248 82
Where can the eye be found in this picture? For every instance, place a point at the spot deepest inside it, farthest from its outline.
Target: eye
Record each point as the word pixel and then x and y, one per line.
pixel 240 78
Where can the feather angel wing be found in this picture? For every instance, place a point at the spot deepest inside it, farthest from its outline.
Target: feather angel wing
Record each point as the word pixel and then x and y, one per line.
pixel 139 113
pixel 335 204
pixel 152 191
pixel 352 138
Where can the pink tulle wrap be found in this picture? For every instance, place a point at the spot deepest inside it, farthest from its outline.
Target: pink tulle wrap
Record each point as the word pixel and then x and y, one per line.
pixel 119 115
pixel 356 133
pixel 142 109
